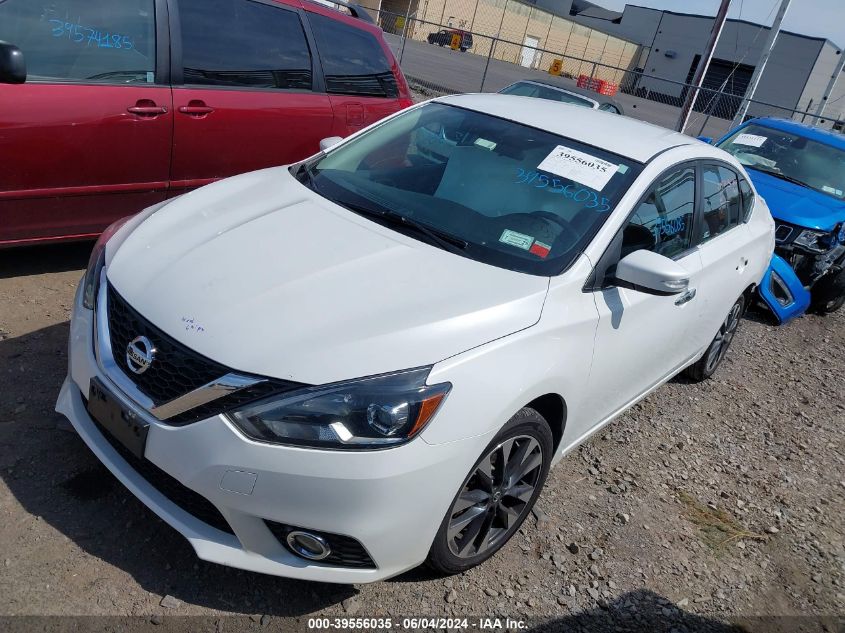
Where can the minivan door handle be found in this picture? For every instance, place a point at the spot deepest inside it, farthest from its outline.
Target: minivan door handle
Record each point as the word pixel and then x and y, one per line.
pixel 196 108
pixel 147 108
pixel 686 297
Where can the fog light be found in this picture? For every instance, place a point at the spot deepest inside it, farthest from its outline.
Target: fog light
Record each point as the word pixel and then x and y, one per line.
pixel 307 545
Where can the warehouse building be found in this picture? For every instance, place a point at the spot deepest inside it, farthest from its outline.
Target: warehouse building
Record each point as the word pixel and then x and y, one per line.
pixel 665 46
pixel 796 76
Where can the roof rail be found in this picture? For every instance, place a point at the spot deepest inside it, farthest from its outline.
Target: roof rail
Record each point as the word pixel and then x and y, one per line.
pixel 356 10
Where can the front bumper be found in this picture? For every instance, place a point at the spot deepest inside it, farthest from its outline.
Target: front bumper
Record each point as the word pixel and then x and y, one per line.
pixel 391 501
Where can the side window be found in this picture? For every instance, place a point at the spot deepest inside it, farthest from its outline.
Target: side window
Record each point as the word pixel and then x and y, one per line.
pixel 608 107
pixel 747 199
pixel 720 201
pixel 243 43
pixel 353 60
pixel 663 222
pixel 110 41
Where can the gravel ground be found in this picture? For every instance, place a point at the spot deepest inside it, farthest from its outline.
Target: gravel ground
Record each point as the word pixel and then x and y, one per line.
pixel 704 507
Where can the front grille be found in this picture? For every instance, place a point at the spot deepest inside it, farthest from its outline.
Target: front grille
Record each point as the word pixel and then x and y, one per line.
pixel 782 232
pixel 346 551
pixel 191 502
pixel 176 369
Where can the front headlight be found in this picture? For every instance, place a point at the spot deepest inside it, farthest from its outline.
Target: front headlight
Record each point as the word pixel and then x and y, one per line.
pixel 96 262
pixel 376 412
pixel 813 240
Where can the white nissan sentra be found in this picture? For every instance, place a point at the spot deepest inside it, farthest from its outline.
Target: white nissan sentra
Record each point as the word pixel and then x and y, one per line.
pixel 340 369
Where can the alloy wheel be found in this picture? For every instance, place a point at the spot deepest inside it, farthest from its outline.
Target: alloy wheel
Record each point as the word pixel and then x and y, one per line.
pixel 720 344
pixel 495 497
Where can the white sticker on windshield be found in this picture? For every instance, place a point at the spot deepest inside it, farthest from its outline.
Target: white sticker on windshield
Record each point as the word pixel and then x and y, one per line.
pixel 520 240
pixel 578 166
pixel 754 140
pixel 833 190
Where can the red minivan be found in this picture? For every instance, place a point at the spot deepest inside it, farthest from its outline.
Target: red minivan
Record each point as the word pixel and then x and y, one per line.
pixel 129 102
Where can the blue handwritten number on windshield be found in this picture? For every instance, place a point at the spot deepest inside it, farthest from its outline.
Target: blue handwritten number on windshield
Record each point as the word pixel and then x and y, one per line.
pixel 587 196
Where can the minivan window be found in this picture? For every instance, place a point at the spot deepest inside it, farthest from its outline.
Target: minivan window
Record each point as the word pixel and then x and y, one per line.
pixel 243 43
pixel 110 41
pixel 790 157
pixel 353 61
pixel 489 189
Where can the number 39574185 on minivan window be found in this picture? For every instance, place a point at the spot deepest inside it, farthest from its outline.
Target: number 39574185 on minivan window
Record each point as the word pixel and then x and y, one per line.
pixel 339 369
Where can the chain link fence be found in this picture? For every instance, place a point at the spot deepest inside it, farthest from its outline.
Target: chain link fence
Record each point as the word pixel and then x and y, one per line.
pixel 440 58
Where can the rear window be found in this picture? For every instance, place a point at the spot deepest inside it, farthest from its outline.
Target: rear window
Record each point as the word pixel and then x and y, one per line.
pixel 525 89
pixel 354 62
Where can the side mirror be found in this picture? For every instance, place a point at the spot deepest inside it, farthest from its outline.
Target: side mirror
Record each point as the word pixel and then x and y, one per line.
pixel 706 139
pixel 650 272
pixel 331 141
pixel 12 64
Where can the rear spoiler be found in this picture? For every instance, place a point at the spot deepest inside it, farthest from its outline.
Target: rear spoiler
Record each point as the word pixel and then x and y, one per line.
pixel 356 10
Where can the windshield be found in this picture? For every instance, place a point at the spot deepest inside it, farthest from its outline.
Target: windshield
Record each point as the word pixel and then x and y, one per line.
pixel 791 157
pixel 485 188
pixel 525 89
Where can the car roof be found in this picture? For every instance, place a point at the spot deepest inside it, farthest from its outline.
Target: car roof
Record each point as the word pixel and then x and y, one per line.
pixel 621 135
pixel 802 129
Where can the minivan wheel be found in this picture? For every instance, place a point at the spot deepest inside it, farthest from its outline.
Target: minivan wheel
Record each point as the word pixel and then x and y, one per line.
pixel 496 496
pixel 715 354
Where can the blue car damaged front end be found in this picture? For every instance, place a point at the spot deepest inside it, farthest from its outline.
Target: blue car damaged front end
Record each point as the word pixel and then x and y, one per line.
pixel 800 172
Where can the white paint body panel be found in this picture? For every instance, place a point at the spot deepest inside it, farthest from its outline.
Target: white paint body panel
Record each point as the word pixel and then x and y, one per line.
pixel 286 284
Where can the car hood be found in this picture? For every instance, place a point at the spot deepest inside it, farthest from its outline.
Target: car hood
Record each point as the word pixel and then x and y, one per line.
pixel 798 205
pixel 265 276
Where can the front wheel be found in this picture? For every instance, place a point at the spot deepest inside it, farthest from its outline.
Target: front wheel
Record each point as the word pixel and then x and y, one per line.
pixel 496 496
pixel 828 295
pixel 715 354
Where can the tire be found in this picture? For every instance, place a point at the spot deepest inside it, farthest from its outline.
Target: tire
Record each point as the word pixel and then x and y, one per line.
pixel 707 365
pixel 463 49
pixel 828 295
pixel 494 518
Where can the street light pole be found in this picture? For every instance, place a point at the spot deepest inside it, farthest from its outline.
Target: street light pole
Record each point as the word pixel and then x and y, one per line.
pixel 758 71
pixel 692 94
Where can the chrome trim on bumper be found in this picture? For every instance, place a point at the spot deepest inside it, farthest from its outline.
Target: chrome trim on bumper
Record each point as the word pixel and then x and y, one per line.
pixel 209 392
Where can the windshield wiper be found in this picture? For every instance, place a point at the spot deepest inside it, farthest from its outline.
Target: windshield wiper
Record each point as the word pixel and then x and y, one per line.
pixel 779 174
pixel 444 240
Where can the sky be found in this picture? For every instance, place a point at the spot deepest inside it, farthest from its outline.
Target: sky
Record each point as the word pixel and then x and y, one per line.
pixel 825 18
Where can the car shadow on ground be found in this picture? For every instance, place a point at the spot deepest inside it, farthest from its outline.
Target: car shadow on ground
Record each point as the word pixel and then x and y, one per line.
pixel 54 476
pixel 644 611
pixel 36 260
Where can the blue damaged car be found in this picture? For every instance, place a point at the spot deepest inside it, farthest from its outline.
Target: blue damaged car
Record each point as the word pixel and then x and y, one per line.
pixel 800 171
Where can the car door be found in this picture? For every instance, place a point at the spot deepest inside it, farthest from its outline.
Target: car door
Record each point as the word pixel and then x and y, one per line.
pixel 247 92
pixel 643 338
pixel 359 71
pixel 724 245
pixel 86 140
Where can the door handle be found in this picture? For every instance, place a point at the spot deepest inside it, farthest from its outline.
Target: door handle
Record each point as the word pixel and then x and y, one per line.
pixel 147 108
pixel 196 108
pixel 686 297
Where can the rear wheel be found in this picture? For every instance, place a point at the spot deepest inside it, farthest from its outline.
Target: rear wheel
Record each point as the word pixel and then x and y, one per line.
pixel 715 354
pixel 496 496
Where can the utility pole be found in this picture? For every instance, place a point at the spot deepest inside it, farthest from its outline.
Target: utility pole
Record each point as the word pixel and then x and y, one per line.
pixel 758 71
pixel 692 94
pixel 830 86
